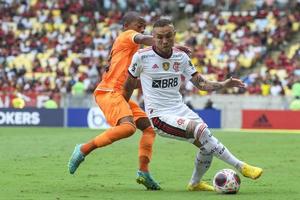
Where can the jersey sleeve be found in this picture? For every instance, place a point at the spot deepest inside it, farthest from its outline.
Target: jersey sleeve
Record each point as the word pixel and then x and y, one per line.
pixel 189 68
pixel 135 67
pixel 129 37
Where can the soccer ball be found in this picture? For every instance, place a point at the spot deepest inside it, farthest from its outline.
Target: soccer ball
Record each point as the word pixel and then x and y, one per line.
pixel 227 181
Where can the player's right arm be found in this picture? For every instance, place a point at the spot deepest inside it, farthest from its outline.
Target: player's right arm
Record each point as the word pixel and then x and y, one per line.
pixel 132 80
pixel 143 39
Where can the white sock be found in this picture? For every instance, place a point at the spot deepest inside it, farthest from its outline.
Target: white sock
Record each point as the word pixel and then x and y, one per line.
pixel 211 144
pixel 202 163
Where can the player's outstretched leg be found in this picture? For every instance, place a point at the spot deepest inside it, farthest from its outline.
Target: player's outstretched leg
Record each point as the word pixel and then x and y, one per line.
pixel 146 179
pixel 76 158
pixel 251 171
pixel 220 151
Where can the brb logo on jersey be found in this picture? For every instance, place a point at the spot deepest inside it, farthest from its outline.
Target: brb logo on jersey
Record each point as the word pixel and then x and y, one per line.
pixel 165 83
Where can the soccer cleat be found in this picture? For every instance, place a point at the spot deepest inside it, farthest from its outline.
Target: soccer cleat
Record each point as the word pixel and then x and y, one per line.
pixel 202 186
pixel 251 171
pixel 76 158
pixel 146 179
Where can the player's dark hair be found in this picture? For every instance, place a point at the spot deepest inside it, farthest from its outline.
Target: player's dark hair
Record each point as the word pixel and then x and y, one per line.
pixel 162 22
pixel 130 17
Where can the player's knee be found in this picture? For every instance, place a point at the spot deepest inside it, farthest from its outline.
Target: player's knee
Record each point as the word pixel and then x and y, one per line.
pixel 128 129
pixel 143 123
pixel 199 130
pixel 131 128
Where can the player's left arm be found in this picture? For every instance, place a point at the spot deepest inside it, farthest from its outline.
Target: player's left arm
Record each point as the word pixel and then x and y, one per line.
pixel 203 84
pixel 143 39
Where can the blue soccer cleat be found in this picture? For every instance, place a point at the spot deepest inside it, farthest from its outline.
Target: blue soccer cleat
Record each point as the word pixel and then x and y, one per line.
pixel 76 158
pixel 146 179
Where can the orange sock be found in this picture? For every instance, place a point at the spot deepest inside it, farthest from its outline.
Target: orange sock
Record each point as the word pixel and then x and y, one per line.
pixel 145 148
pixel 111 135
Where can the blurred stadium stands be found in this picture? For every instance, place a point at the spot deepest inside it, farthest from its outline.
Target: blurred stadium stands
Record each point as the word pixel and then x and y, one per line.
pixel 52 46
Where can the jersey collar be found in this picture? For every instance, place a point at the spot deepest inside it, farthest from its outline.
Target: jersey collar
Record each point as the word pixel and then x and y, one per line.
pixel 161 55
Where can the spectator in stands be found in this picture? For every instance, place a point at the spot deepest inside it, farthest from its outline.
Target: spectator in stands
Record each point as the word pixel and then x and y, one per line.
pixel 50 103
pixel 296 89
pixel 78 89
pixel 277 89
pixel 265 88
pixel 209 104
pixel 269 62
pixel 58 40
pixel 295 104
pixel 254 88
pixel 18 103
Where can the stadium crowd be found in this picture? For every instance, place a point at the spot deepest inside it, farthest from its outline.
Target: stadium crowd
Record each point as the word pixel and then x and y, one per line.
pixel 62 46
pixel 227 43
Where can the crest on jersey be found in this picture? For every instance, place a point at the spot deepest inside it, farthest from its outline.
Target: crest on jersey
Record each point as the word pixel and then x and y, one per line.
pixel 166 66
pixel 176 66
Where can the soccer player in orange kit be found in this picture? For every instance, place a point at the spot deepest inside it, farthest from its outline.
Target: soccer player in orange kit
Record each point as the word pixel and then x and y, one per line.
pixel 123 116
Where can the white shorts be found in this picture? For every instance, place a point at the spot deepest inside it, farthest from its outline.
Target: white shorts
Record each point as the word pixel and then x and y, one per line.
pixel 175 125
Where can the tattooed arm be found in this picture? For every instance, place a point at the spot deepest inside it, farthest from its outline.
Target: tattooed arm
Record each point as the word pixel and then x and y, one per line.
pixel 202 84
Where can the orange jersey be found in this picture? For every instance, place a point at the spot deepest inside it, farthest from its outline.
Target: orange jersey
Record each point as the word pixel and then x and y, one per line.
pixel 120 58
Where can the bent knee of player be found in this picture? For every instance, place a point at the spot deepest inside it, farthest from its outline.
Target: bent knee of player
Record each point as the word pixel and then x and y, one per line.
pixel 128 129
pixel 190 129
pixel 199 129
pixel 132 129
pixel 143 123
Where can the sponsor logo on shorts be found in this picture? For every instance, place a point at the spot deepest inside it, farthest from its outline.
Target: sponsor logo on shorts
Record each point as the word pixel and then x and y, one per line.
pixel 180 122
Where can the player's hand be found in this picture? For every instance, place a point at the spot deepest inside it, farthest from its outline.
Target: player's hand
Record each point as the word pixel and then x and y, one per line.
pixel 185 49
pixel 234 82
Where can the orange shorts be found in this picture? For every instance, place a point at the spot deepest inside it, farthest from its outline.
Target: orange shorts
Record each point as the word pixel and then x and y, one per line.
pixel 115 107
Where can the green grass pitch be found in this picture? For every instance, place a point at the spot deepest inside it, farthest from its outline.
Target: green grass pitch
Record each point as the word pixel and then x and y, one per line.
pixel 33 165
